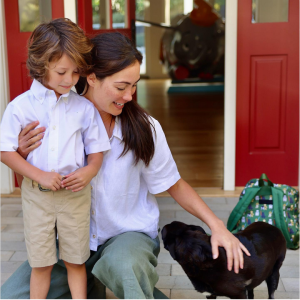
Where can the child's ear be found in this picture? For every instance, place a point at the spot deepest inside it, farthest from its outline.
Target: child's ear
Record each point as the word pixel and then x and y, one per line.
pixel 91 79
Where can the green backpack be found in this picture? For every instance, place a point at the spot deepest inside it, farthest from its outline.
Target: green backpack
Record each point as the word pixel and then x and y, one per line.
pixel 276 204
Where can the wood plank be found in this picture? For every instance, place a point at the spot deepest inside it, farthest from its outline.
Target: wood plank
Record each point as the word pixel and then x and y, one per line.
pixel 194 128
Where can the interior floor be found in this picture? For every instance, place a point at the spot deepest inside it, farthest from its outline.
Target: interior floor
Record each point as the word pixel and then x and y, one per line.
pixel 194 128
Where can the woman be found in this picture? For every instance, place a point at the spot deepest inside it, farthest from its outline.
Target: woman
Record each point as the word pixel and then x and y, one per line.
pixel 124 214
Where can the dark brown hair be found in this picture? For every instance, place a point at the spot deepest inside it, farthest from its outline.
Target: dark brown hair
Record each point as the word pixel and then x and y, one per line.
pixel 112 53
pixel 49 41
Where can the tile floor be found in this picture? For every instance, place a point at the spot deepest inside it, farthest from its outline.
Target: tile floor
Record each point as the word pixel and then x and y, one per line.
pixel 172 280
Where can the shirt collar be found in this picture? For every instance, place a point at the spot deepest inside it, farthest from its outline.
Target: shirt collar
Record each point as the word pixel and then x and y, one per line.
pixel 117 129
pixel 40 91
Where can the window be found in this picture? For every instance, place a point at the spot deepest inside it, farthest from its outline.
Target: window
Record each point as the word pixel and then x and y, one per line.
pixel 267 11
pixel 33 12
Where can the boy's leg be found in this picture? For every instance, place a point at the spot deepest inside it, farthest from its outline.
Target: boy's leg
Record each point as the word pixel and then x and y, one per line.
pixel 40 282
pixel 127 265
pixel 73 227
pixel 77 280
pixel 17 286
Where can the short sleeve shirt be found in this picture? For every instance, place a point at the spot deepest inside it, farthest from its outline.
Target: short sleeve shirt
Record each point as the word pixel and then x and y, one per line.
pixel 122 194
pixel 74 128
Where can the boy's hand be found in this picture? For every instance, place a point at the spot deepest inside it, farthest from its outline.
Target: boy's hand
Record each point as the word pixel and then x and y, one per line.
pixel 79 179
pixel 50 180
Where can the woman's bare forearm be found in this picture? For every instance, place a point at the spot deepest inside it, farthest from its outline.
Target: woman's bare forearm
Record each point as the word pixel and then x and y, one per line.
pixel 187 197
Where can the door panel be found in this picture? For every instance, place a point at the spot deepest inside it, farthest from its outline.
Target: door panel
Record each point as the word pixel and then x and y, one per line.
pixel 271 70
pixel 267 134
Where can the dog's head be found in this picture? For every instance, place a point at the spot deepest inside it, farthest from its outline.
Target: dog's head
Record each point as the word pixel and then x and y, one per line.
pixel 187 243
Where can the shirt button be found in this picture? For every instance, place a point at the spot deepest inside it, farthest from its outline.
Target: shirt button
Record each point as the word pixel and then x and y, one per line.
pixel 94 236
pixel 52 149
pixel 54 127
pixel 41 98
pixel 48 92
pixel 93 212
pixel 52 170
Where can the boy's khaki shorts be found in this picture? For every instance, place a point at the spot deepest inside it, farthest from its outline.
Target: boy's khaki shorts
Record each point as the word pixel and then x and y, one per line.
pixel 65 210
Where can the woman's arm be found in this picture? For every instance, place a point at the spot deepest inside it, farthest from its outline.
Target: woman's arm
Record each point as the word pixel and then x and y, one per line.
pixel 186 197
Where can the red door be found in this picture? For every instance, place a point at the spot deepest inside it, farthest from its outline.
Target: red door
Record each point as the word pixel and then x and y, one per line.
pixel 267 134
pixel 87 17
pixel 16 44
pixel 19 81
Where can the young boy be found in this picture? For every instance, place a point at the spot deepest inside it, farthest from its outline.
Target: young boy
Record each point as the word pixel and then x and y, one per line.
pixel 58 52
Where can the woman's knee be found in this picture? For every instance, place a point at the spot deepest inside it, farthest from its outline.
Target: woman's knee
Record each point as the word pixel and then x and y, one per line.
pixel 119 266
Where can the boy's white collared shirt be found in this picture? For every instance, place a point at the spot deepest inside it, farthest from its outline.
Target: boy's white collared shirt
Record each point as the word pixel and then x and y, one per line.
pixel 73 128
pixel 123 193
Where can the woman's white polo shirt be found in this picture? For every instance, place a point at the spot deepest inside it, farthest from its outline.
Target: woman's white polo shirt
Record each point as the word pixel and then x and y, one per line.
pixel 122 194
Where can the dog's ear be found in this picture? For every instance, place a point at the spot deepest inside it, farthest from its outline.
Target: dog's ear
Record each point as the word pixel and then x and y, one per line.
pixel 198 252
pixel 192 254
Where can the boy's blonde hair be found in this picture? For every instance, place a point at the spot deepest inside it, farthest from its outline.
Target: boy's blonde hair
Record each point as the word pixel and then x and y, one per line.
pixel 49 41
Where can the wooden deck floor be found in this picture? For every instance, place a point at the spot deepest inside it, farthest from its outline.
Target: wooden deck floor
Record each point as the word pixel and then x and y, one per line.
pixel 194 127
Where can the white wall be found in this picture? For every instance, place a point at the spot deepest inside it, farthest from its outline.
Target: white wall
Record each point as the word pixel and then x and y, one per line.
pixel 7 178
pixel 70 10
pixel 230 94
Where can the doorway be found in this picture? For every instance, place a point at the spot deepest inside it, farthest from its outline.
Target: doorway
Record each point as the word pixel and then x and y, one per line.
pixel 193 122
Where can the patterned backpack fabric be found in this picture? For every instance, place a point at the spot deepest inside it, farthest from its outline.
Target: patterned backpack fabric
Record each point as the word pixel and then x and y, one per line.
pixel 276 204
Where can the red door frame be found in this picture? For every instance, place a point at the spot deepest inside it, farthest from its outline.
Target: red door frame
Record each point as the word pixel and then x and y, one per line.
pixel 85 13
pixel 256 44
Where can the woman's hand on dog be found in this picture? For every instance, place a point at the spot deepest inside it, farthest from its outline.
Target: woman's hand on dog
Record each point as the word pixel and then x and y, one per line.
pixel 30 138
pixel 186 196
pixel 221 237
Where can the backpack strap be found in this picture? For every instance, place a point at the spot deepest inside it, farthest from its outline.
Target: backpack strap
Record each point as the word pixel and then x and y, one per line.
pixel 264 180
pixel 277 195
pixel 241 206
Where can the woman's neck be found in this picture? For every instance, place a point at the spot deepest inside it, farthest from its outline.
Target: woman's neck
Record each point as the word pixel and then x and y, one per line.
pixel 107 118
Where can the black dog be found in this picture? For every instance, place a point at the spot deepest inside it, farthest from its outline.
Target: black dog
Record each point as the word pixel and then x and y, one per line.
pixel 191 247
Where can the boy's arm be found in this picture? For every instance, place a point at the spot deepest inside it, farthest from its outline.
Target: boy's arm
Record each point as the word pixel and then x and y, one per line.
pixel 79 179
pixel 18 164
